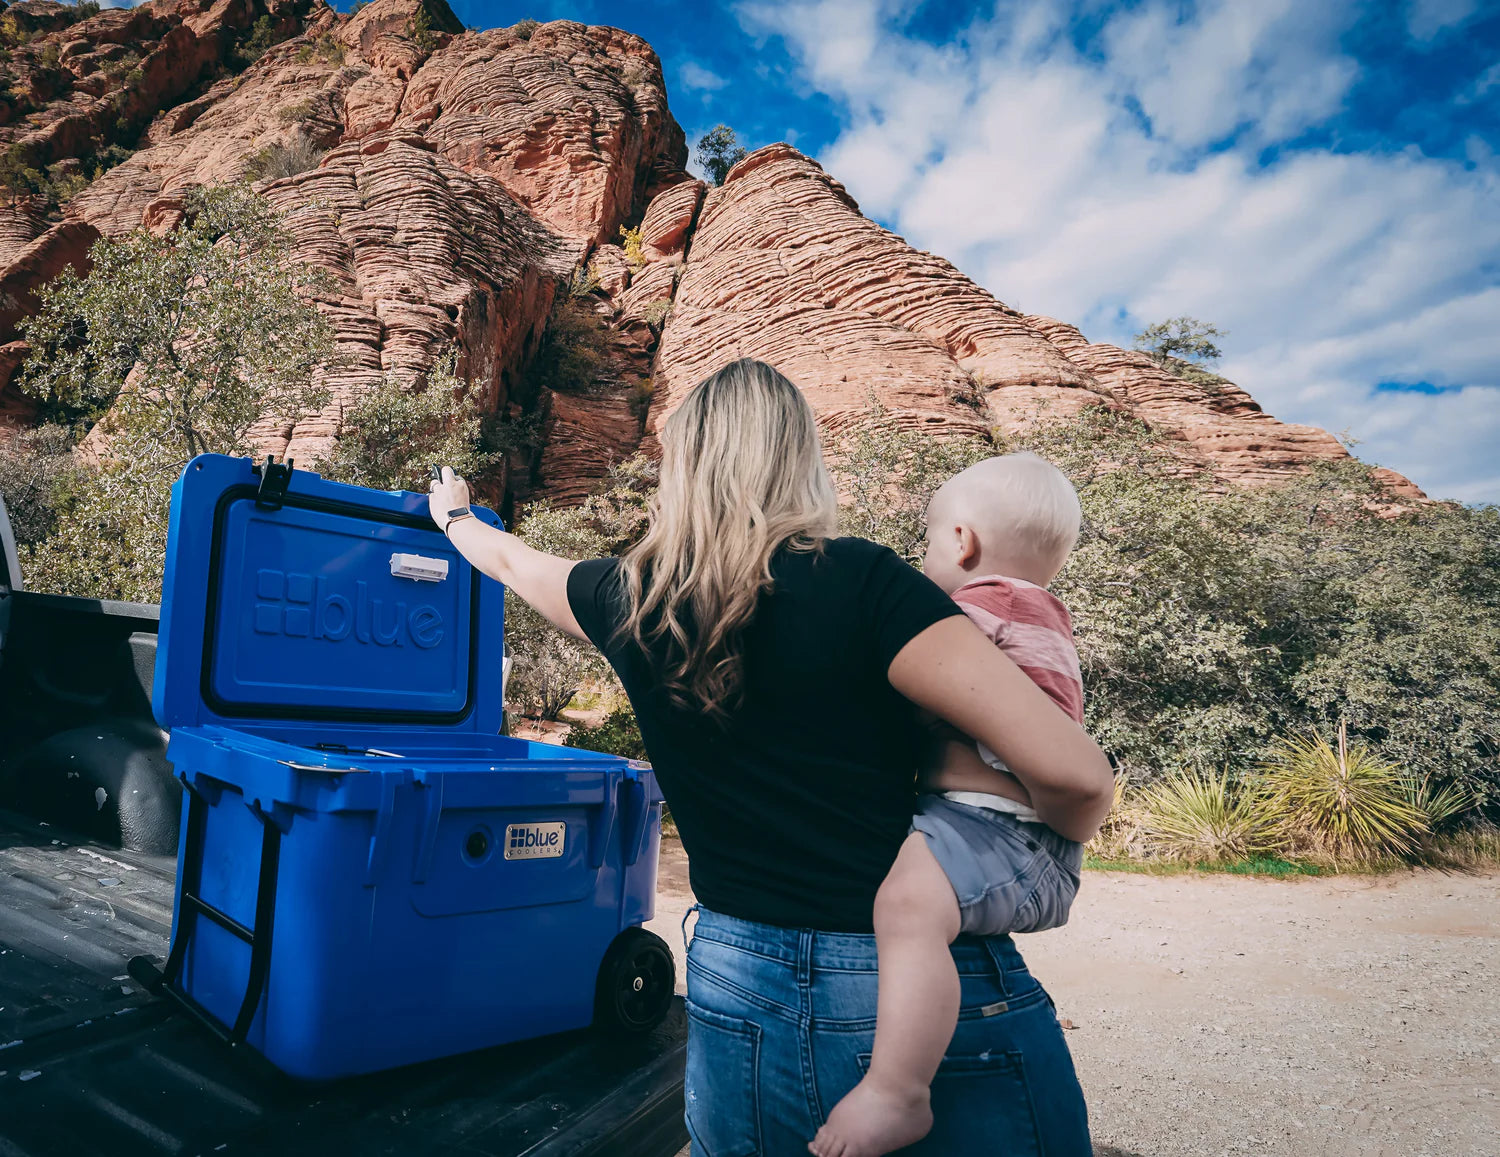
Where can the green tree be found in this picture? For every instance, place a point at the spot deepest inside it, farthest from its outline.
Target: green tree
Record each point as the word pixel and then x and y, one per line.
pixel 391 435
pixel 175 346
pixel 1213 624
pixel 1184 346
pixel 719 151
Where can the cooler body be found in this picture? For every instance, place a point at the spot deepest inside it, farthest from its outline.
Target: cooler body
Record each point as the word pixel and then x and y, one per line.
pixel 369 875
pixel 422 906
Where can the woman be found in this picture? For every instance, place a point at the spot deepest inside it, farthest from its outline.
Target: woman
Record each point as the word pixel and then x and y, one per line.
pixel 776 672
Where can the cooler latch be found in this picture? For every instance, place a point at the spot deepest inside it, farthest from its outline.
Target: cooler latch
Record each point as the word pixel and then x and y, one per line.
pixel 274 477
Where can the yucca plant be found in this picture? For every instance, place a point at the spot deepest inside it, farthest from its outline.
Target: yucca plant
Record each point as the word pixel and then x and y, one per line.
pixel 1344 800
pixel 1438 805
pixel 1202 817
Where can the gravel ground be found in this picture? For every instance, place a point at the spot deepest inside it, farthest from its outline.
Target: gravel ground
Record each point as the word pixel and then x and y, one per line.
pixel 1310 1017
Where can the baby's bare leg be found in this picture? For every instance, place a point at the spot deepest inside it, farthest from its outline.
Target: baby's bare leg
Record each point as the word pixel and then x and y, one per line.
pixel 916 919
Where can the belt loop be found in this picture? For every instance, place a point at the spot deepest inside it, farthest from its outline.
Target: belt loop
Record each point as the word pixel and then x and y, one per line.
pixel 992 945
pixel 804 957
pixel 694 910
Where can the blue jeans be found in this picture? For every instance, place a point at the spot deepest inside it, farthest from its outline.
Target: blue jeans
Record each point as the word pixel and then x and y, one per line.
pixel 781 1022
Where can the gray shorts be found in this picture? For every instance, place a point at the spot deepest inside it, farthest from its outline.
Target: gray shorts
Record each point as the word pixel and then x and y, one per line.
pixel 1008 875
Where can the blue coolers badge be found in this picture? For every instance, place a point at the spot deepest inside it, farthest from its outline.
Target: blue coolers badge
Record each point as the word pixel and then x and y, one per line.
pixel 535 841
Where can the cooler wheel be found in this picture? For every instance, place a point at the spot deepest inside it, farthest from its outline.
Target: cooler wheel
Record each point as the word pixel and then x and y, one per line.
pixel 636 980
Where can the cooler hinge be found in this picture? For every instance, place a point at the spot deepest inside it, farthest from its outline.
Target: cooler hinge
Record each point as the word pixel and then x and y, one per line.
pixel 274 477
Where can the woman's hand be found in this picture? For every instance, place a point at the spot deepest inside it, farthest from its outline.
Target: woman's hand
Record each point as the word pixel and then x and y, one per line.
pixel 445 494
pixel 538 578
pixel 952 670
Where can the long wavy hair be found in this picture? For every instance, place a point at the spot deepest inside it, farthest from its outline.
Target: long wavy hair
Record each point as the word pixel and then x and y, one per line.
pixel 742 476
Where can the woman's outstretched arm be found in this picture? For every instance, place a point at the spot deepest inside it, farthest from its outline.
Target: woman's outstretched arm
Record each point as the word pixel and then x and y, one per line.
pixel 953 671
pixel 540 579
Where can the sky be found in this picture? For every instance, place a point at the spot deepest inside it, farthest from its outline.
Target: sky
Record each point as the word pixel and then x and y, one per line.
pixel 1318 178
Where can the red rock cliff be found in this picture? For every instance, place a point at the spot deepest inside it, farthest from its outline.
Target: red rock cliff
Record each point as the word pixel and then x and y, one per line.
pixel 467 173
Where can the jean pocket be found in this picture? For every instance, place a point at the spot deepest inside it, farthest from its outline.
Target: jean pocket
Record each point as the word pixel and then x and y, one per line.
pixel 722 1084
pixel 980 1104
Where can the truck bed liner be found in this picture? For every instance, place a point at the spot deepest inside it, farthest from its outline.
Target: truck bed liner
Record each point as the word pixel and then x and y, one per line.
pixel 90 1064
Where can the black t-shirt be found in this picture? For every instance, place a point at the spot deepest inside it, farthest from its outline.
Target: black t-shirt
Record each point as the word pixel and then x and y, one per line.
pixel 793 809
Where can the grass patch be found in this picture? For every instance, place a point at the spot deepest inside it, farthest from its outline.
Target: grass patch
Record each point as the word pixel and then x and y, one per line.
pixel 1272 866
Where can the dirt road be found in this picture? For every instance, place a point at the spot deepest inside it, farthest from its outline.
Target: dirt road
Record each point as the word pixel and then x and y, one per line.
pixel 1306 1018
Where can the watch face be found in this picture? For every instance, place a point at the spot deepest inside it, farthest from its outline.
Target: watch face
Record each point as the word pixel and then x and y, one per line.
pixel 458 511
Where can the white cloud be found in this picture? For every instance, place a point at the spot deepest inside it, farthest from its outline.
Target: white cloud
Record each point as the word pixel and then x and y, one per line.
pixel 1128 183
pixel 696 78
pixel 1426 18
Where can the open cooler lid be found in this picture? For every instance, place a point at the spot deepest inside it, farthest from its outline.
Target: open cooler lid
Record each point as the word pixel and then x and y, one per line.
pixel 289 597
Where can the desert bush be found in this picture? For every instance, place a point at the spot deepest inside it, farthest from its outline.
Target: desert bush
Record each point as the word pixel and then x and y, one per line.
pixel 617 734
pixel 264 35
pixel 176 346
pixel 1346 801
pixel 657 312
pixel 38 474
pixel 1211 623
pixel 422 34
pixel 524 28
pixel 574 351
pixel 284 159
pixel 290 114
pixel 1205 818
pixel 85 9
pixel 640 398
pixel 634 246
pixel 887 476
pixel 391 435
pixel 550 667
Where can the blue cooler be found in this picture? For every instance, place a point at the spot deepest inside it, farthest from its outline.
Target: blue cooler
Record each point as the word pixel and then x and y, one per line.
pixel 368 874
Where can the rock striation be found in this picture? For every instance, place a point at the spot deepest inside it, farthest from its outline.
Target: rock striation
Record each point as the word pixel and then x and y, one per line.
pixel 450 182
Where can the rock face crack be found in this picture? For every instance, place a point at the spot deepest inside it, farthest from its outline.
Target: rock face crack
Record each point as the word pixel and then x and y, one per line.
pixel 463 178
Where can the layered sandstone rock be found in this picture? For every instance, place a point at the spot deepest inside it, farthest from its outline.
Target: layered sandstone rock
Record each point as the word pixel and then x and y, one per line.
pixel 457 179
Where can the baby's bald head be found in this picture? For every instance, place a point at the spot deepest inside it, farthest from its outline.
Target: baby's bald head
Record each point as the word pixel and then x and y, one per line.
pixel 1023 516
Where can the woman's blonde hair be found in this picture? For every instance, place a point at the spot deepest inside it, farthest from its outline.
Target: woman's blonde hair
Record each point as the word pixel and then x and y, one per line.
pixel 742 475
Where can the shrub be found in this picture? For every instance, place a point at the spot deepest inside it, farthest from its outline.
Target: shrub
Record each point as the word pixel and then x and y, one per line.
pixel 719 151
pixel 657 312
pixel 640 398
pixel 549 666
pixel 13 33
pixel 888 476
pixel 422 33
pixel 391 435
pixel 179 345
pixel 264 35
pixel 574 351
pixel 617 734
pixel 284 159
pixel 1347 801
pixel 524 28
pixel 1204 819
pixel 85 9
pixel 635 251
pixel 289 114
pixel 635 73
pixel 37 475
pixel 1209 625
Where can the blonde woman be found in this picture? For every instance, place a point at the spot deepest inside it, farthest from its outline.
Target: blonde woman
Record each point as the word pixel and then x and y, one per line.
pixel 776 671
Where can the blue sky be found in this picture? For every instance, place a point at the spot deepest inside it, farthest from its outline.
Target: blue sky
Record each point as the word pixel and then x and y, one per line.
pixel 1317 177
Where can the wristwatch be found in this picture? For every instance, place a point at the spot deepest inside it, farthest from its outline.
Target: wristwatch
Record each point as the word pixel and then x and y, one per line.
pixel 455 514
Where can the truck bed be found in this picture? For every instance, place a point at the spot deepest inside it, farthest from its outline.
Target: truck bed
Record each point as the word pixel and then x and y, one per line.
pixel 91 1064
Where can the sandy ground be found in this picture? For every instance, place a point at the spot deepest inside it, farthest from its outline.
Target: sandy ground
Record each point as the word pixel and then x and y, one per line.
pixel 1310 1018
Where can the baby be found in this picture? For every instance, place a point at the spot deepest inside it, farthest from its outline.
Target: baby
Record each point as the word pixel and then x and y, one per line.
pixel 978 860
